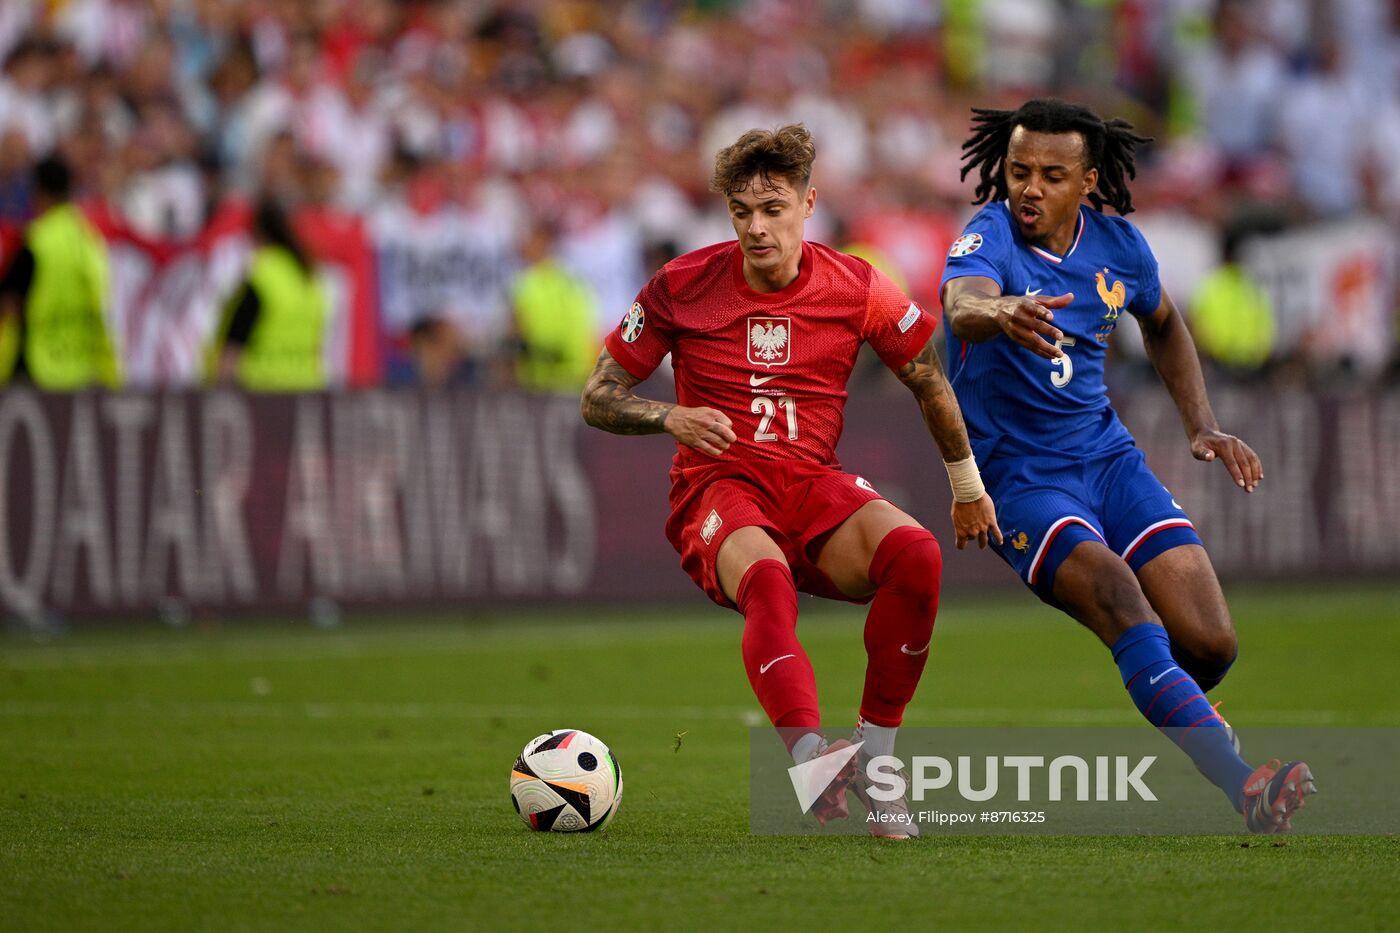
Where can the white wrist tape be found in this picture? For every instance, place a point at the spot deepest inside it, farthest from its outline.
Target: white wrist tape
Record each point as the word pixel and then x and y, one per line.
pixel 966 480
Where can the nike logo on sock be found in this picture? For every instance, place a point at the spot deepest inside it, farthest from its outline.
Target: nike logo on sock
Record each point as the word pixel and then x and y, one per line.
pixel 1153 680
pixel 763 668
pixel 905 649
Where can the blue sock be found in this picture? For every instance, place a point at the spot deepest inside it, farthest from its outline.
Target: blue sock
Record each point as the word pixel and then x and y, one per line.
pixel 1170 699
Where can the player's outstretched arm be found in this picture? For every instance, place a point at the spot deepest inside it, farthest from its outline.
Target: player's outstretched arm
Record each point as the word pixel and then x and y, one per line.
pixel 974 515
pixel 977 310
pixel 1173 354
pixel 609 403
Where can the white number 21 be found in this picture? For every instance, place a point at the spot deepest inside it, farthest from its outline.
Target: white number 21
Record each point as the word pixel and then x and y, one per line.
pixel 763 405
pixel 1062 378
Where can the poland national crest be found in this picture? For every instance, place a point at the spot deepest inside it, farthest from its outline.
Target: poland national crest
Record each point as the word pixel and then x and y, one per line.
pixel 712 523
pixel 770 340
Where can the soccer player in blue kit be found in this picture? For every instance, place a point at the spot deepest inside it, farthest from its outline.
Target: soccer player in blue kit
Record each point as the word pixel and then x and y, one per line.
pixel 1032 290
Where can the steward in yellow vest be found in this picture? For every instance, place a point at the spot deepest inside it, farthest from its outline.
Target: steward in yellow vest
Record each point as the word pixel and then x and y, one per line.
pixel 1233 319
pixel 272 335
pixel 1231 316
pixel 52 327
pixel 556 318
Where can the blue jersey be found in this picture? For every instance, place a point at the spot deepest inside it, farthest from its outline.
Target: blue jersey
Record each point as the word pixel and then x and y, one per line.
pixel 1008 392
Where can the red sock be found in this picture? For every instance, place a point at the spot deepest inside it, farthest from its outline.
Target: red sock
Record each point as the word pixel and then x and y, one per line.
pixel 778 668
pixel 905 570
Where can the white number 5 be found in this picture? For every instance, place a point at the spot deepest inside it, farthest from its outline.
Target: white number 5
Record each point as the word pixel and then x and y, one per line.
pixel 1061 379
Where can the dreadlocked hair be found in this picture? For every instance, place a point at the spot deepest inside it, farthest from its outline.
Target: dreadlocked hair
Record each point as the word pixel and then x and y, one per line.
pixel 1109 146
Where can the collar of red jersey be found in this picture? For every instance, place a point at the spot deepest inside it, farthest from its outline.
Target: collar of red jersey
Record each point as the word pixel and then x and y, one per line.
pixel 804 272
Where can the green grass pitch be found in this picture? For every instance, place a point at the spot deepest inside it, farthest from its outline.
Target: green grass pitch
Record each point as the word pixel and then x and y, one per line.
pixel 275 777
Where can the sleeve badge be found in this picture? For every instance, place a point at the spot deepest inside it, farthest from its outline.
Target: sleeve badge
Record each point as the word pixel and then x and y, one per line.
pixel 966 245
pixel 633 323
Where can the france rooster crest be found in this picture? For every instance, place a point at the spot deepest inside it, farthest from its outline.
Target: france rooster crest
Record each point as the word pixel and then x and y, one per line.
pixel 1113 299
pixel 770 340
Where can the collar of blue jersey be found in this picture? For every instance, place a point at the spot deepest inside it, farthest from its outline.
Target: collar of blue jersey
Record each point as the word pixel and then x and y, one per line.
pixel 1045 254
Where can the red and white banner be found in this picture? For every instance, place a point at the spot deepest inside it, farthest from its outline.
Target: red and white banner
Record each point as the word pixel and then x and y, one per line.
pixel 167 297
pixel 1333 291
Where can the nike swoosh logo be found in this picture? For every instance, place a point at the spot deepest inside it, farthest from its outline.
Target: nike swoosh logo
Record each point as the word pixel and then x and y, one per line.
pixel 1153 680
pixel 763 668
pixel 905 649
pixel 757 380
pixel 1035 292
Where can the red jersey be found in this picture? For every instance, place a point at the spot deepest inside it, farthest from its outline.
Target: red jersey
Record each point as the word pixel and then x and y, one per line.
pixel 776 363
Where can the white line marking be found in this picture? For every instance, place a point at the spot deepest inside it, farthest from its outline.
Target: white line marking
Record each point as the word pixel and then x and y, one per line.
pixel 271 709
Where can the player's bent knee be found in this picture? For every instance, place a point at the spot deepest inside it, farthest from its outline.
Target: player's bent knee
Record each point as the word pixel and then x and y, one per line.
pixel 910 561
pixel 1118 604
pixel 1215 647
pixel 740 551
pixel 1206 657
pixel 1201 628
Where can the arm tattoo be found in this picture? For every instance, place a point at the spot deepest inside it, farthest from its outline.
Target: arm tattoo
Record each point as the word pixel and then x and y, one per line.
pixel 608 402
pixel 925 378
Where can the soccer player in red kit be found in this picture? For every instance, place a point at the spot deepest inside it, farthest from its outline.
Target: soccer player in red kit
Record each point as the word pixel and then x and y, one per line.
pixel 763 334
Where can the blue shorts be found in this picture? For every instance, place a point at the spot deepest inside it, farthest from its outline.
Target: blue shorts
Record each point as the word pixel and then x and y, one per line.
pixel 1048 504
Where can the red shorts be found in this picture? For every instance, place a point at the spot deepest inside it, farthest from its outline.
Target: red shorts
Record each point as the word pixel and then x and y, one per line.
pixel 800 503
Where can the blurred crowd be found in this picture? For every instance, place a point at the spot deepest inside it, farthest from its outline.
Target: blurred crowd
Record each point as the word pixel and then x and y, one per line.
pixel 521 167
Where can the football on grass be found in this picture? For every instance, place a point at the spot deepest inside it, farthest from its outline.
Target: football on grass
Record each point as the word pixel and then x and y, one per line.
pixel 566 781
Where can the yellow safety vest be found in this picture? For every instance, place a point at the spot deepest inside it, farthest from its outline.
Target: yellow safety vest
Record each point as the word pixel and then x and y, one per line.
pixel 66 344
pixel 284 351
pixel 555 313
pixel 1233 319
pixel 879 259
